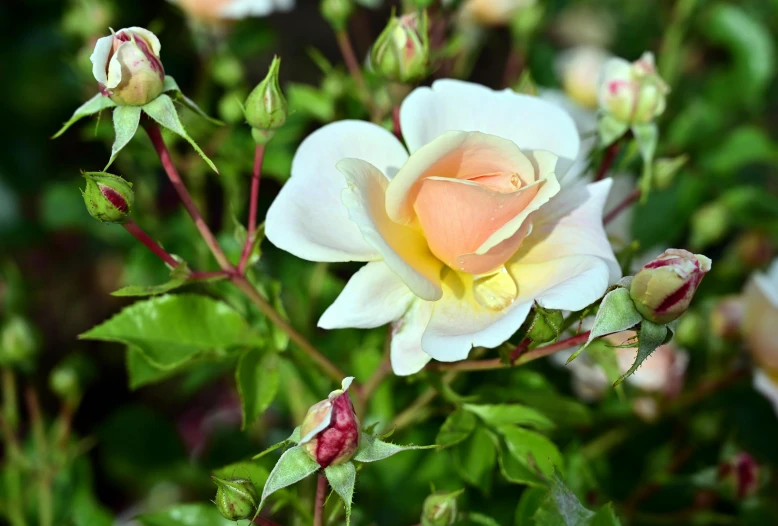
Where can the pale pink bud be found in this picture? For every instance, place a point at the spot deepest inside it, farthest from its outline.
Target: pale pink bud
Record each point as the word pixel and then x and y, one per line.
pixel 663 289
pixel 632 92
pixel 330 430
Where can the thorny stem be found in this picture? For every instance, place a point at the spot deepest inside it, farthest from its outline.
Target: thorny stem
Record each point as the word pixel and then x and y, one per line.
pixel 45 497
pixel 629 200
pixel 259 154
pixel 318 504
pixel 245 286
pixel 152 245
pixel 167 163
pixel 607 160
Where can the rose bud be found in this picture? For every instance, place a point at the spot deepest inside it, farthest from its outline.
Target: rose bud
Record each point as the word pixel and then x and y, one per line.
pixel 634 92
pixel 663 289
pixel 127 68
pixel 726 317
pixel 739 476
pixel 266 107
pixel 108 197
pixel 337 12
pixel 401 52
pixel 494 12
pixel 236 499
pixel 440 509
pixel 330 430
pixel 19 342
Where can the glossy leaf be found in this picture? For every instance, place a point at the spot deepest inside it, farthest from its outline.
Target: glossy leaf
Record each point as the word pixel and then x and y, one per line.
pixel 457 427
pixel 502 414
pixel 523 444
pixel 257 378
pixel 204 514
pixel 178 277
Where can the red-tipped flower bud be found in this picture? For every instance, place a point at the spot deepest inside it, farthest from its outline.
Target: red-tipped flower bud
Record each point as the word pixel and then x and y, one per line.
pixel 401 52
pixel 236 499
pixel 330 430
pixel 108 197
pixel 632 92
pixel 127 68
pixel 739 476
pixel 663 289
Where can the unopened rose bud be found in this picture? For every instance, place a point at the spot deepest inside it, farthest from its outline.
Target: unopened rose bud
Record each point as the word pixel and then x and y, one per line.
pixel 236 499
pixel 709 224
pixel 127 68
pixel 63 382
pixel 726 317
pixel 401 52
pixel 108 197
pixel 663 289
pixel 337 12
pixel 632 93
pixel 18 342
pixel 330 430
pixel 666 168
pixel 440 509
pixel 739 476
pixel 494 12
pixel 266 107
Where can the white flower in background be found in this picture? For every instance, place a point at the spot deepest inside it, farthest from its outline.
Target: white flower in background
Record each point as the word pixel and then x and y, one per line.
pixel 579 70
pixel 461 236
pixel 760 320
pixel 215 10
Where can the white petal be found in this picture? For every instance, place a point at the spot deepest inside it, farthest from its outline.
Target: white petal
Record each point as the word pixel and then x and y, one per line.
pixel 148 36
pixel 374 296
pixel 406 354
pixel 99 58
pixel 765 385
pixel 307 218
pixel 567 283
pixel 403 249
pixel 115 67
pixel 571 225
pixel 533 124
pixel 239 9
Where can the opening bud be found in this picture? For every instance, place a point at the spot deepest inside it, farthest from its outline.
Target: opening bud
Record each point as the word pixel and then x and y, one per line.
pixel 236 499
pixel 632 93
pixel 440 508
pixel 330 430
pixel 738 476
pixel 108 197
pixel 663 289
pixel 401 52
pixel 266 107
pixel 337 12
pixel 127 67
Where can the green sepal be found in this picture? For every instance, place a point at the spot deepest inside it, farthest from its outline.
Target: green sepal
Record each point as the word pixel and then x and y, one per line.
pixel 342 479
pixel 178 277
pixel 125 123
pixel 610 130
pixel 646 137
pixel 164 112
pixel 172 85
pixel 650 337
pixel 372 449
pixel 294 438
pixel 545 325
pixel 94 105
pixel 617 313
pixel 293 466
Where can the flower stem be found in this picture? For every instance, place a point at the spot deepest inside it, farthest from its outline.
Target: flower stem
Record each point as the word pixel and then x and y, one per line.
pixel 152 245
pixel 352 64
pixel 45 497
pixel 629 200
pixel 396 122
pixel 607 160
pixel 513 67
pixel 526 357
pixel 245 286
pixel 259 154
pixel 318 504
pixel 167 163
pixel 12 478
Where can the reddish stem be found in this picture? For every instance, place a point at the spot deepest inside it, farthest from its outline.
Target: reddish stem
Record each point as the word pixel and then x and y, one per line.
pixel 513 67
pixel 200 276
pixel 396 122
pixel 321 497
pixel 152 245
pixel 259 154
pixel 630 199
pixel 520 349
pixel 352 64
pixel 607 161
pixel 529 356
pixel 167 163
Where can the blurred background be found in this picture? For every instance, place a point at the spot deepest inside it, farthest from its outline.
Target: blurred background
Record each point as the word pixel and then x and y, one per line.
pixel 144 447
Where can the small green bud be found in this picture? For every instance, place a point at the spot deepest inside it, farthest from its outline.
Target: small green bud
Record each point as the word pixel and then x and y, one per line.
pixel 63 382
pixel 545 325
pixel 236 499
pixel 18 342
pixel 266 107
pixel 709 225
pixel 108 197
pixel 337 12
pixel 401 52
pixel 440 509
pixel 227 70
pixel 666 168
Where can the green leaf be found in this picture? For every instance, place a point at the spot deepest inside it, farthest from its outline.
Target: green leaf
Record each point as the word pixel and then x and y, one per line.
pixel 745 145
pixel 311 101
pixel 502 414
pixel 480 518
pixel 125 124
pixel 372 449
pixel 650 337
pixel 458 426
pixel 610 130
pixel 257 378
pixel 142 372
pixel 517 472
pixel 189 515
pixel 343 478
pixel 617 313
pixel 172 85
pixel 475 459
pixel 561 507
pixel 605 516
pixel 169 330
pixel 293 466
pixel 90 107
pixel 178 277
pixel 530 501
pixel 164 112
pixel 522 443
